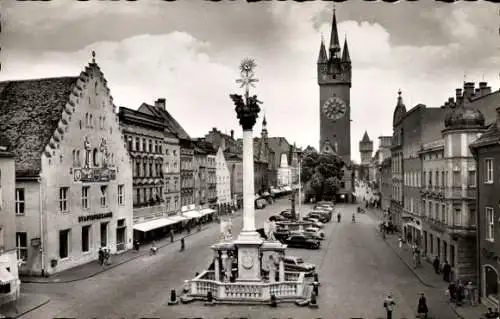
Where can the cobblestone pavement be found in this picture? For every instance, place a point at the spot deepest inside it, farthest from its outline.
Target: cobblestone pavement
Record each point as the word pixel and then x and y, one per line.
pixel 357 269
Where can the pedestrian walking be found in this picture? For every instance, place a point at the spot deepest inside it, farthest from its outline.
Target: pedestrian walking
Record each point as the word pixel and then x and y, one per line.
pixel 422 309
pixel 100 255
pixel 460 294
pixel 182 244
pixel 136 245
pixel 436 264
pixel 171 235
pixel 400 242
pixel 452 290
pixel 338 218
pixel 491 314
pixel 389 305
pixel 446 271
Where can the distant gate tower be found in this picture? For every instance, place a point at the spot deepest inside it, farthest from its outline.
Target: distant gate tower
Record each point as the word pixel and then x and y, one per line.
pixel 366 149
pixel 334 80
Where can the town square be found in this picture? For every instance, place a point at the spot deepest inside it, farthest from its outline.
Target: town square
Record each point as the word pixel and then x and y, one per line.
pixel 205 159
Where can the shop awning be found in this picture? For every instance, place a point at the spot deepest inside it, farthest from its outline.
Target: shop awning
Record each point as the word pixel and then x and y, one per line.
pixel 5 275
pixel 207 211
pixel 153 224
pixel 288 188
pixel 192 214
pixel 177 218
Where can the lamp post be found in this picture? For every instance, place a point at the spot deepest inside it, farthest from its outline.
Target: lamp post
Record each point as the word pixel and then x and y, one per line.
pixel 300 187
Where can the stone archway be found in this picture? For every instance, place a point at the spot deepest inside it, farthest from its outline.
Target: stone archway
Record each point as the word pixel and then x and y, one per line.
pixel 490 282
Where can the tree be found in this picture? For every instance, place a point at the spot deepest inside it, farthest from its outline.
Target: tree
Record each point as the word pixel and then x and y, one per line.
pixel 322 174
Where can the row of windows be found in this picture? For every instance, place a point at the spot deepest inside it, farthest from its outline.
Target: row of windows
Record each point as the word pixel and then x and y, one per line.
pixel 146 168
pixel 432 156
pixel 433 179
pixel 90 122
pixel 147 146
pixel 64 198
pixel 187 164
pixel 148 194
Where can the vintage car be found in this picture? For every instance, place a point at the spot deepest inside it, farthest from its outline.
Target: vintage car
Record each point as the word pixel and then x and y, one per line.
pixel 293 263
pixel 301 241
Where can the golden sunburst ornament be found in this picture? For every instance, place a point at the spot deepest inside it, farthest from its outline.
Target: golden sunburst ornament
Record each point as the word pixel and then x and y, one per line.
pixel 247 65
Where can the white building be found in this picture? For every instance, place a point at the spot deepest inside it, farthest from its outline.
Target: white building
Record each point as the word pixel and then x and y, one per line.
pixel 284 172
pixel 223 176
pixel 9 280
pixel 73 173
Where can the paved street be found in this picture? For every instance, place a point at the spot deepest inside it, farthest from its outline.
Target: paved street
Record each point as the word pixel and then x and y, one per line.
pixel 357 269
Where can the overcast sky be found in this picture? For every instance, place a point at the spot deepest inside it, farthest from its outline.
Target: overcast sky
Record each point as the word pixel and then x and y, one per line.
pixel 189 52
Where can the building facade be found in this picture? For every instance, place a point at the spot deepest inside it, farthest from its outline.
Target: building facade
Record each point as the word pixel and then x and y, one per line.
pixel 144 136
pixel 183 155
pixel 223 177
pixel 385 184
pixel 73 172
pixel 172 173
pixel 397 198
pixel 10 285
pixel 486 151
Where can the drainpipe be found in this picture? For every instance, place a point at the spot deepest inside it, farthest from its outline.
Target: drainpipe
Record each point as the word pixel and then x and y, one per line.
pixel 42 241
pixel 478 229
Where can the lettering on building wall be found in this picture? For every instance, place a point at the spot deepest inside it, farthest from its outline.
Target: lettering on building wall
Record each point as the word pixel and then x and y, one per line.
pixel 93 175
pixel 87 218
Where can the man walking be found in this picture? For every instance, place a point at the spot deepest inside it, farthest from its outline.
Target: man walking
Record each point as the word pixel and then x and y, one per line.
pixel 435 263
pixel 389 305
pixel 446 271
pixel 422 309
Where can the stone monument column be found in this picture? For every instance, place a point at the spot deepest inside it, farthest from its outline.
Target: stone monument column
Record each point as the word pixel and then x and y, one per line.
pixel 249 241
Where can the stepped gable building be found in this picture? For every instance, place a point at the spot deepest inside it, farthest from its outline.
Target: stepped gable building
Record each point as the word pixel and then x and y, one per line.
pixel 185 152
pixel 73 172
pixel 10 285
pixel 223 176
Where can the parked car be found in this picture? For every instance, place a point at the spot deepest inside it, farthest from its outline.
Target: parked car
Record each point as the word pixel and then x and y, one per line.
pixel 308 234
pixel 293 263
pixel 276 218
pixel 287 214
pixel 281 234
pixel 301 241
pixel 260 203
pixel 316 231
pixel 314 221
pixel 319 216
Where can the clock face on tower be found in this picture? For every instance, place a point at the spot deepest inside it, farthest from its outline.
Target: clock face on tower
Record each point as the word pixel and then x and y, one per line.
pixel 334 108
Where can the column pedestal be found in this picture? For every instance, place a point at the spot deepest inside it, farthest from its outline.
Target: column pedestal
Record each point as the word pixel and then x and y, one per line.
pixel 282 269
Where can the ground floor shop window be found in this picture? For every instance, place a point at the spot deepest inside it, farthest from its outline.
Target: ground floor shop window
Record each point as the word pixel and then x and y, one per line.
pixel 85 238
pixel 104 234
pixel 5 288
pixel 64 243
pixel 491 282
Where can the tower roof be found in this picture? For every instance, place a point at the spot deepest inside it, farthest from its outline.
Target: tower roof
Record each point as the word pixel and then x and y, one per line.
pixel 322 58
pixel 464 116
pixel 334 37
pixel 264 122
pixel 365 137
pixel 400 101
pixel 345 52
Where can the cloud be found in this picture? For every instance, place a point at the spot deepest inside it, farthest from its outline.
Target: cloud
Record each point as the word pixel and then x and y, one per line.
pixel 190 56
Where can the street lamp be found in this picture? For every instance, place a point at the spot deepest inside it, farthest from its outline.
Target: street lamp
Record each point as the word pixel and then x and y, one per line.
pixel 300 186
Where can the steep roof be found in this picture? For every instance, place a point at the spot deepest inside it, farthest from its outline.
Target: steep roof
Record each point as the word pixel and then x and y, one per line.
pixel 490 136
pixel 29 113
pixel 171 123
pixel 366 138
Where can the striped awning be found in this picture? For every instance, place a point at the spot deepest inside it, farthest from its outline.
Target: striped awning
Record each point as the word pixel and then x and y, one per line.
pixel 192 214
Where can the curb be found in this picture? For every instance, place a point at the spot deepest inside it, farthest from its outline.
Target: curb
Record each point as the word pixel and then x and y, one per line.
pixel 119 263
pixel 404 261
pixel 34 308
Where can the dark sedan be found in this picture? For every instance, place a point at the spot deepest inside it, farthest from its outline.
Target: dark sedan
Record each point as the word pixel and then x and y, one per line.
pixel 301 241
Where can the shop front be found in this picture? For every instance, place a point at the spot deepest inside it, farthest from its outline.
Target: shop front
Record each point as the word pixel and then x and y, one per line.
pixel 412 230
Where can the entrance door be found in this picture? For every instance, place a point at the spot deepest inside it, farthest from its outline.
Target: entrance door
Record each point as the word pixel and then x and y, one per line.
pixel 120 234
pixel 104 234
pixel 438 244
pixel 445 250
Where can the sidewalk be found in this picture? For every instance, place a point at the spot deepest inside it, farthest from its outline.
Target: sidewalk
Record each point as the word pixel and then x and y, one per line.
pixel 23 305
pixel 93 268
pixel 426 274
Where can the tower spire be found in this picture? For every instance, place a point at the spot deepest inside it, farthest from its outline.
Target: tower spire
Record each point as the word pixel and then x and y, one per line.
pixel 263 133
pixel 345 52
pixel 334 38
pixel 322 58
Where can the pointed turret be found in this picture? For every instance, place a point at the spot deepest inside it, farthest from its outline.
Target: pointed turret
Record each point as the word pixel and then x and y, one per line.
pixel 263 133
pixel 322 58
pixel 334 39
pixel 365 137
pixel 345 53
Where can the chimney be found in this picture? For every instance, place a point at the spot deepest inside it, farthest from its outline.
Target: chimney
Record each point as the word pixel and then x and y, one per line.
pixel 160 103
pixel 232 134
pixel 469 88
pixel 484 88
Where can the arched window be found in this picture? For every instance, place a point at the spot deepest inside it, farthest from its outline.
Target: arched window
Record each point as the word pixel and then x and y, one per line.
pixel 491 281
pixel 78 159
pixel 95 157
pixel 87 120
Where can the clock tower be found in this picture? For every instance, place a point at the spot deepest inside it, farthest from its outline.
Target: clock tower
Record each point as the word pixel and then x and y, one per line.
pixel 334 80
